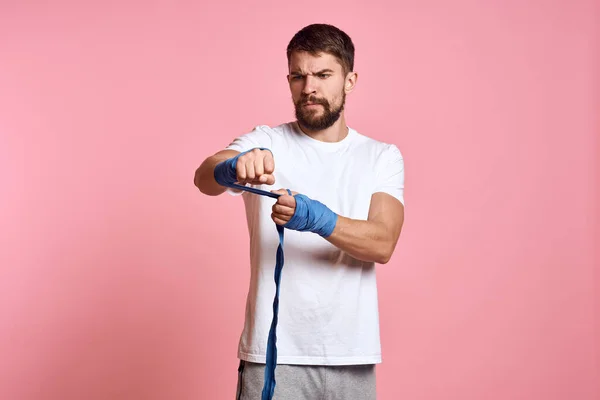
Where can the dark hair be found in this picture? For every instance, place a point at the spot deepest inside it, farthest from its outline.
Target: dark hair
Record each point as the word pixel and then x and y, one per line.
pixel 324 38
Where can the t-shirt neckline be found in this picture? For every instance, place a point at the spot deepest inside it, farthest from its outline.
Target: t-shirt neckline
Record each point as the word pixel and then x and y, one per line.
pixel 324 145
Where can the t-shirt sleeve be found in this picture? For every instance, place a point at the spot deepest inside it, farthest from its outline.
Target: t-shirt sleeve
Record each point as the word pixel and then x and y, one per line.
pixel 258 137
pixel 390 174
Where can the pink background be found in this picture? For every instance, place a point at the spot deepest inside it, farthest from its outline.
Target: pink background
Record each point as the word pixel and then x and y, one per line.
pixel 119 280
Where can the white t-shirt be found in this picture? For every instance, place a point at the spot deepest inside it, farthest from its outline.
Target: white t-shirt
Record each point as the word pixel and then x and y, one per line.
pixel 328 309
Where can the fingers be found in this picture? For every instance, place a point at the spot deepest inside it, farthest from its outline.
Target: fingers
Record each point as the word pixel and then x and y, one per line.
pixel 256 167
pixel 240 168
pixel 283 211
pixel 269 163
pixel 284 208
pixel 269 179
pixel 267 168
pixel 250 175
pixel 259 166
pixel 287 201
pixel 278 220
pixel 281 218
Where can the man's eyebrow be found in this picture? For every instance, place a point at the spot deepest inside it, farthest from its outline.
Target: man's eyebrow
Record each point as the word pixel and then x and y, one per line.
pixel 323 71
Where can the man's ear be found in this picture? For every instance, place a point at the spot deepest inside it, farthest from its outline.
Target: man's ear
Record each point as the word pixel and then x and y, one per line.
pixel 351 79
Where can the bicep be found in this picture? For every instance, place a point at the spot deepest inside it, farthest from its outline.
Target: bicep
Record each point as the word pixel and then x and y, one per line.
pixel 387 211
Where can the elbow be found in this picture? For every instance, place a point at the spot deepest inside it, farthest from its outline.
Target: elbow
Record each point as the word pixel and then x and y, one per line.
pixel 198 181
pixel 386 249
pixel 383 259
pixel 196 178
pixel 206 187
pixel 384 255
pixel 203 184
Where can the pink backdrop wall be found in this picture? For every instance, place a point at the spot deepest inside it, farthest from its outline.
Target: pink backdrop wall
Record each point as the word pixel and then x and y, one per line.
pixel 112 264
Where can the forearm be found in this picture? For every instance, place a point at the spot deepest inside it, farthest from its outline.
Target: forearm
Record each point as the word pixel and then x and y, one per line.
pixel 204 178
pixel 371 240
pixel 364 240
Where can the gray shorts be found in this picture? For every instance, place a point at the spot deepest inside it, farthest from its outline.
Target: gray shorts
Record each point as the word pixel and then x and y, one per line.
pixel 308 382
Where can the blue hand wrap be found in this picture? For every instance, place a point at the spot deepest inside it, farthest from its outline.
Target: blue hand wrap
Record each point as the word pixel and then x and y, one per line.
pixel 225 172
pixel 312 216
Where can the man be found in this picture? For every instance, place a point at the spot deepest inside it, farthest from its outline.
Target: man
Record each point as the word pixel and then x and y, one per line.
pixel 345 215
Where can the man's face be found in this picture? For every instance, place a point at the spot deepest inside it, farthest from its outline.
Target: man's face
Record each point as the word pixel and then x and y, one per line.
pixel 317 86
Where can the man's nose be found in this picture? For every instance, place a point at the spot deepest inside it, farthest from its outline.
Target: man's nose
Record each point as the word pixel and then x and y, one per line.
pixel 310 84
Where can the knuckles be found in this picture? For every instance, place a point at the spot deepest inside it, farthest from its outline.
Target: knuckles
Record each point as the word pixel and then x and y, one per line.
pixel 252 171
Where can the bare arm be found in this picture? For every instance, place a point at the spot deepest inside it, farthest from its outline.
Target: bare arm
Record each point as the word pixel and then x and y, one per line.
pixel 374 239
pixel 204 178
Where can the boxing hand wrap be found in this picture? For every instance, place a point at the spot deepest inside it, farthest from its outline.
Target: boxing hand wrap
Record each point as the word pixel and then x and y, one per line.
pixel 312 216
pixel 225 171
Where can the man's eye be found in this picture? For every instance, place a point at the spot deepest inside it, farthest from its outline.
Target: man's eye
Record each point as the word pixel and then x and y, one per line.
pixel 296 77
pixel 323 76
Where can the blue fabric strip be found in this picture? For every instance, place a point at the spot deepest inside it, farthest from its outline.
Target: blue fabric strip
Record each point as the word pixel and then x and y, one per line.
pixel 271 362
pixel 255 190
pixel 269 383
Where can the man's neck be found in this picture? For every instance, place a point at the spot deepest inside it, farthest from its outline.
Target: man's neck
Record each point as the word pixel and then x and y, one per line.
pixel 335 133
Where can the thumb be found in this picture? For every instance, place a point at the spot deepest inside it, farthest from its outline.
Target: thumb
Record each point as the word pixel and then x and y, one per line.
pixel 279 191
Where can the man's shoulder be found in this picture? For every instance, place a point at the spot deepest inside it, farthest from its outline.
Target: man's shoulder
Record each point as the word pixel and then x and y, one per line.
pixel 278 128
pixel 368 141
pixel 272 131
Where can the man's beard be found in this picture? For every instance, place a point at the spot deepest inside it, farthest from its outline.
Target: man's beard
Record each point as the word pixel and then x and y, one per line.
pixel 308 117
